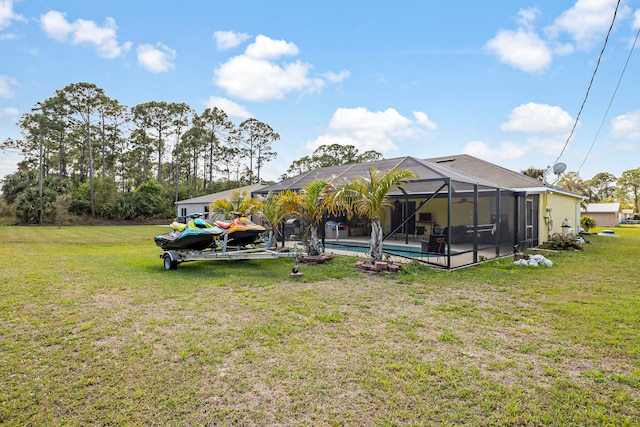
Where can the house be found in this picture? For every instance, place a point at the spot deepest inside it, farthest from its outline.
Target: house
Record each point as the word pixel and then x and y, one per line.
pixel 201 204
pixel 550 205
pixel 605 214
pixel 627 214
pixel 474 209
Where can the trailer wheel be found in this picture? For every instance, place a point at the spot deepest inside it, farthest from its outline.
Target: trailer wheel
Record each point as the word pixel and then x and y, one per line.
pixel 170 264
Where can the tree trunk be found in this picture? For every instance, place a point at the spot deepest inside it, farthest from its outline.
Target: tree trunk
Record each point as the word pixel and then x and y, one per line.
pixel 91 184
pixel 177 174
pixel 145 159
pixel 314 242
pixel 160 157
pixel 376 240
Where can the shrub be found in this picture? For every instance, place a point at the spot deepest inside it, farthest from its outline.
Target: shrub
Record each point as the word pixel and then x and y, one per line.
pixel 587 223
pixel 561 242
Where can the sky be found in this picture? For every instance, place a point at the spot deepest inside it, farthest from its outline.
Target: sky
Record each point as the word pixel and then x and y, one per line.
pixel 502 80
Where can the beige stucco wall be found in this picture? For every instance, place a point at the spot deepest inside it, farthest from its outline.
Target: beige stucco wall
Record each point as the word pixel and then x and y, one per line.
pixel 604 219
pixel 461 214
pixel 561 206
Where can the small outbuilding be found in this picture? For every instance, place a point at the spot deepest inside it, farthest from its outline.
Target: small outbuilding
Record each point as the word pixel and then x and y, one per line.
pixel 605 214
pixel 201 204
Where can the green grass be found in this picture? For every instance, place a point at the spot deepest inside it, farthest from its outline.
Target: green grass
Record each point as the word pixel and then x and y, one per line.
pixel 94 331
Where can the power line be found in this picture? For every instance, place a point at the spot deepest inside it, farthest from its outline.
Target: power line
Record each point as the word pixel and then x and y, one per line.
pixel 611 101
pixel 593 76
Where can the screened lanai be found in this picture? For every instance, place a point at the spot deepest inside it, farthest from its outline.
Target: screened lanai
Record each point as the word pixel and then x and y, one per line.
pixel 445 217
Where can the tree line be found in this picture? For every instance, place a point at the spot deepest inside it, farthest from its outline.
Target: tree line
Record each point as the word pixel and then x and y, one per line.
pixel 603 187
pixel 86 154
pixel 112 161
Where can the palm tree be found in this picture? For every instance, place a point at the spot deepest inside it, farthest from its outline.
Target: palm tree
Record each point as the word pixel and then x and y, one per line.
pixel 238 203
pixel 367 197
pixel 310 204
pixel 274 208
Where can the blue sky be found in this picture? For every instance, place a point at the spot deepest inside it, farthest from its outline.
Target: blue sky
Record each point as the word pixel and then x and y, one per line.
pixel 502 80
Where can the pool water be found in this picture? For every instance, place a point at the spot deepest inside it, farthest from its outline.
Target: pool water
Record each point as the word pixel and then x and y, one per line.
pixel 363 247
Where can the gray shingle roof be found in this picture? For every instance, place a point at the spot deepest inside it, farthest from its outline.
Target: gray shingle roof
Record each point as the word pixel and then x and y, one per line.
pixel 462 169
pixel 503 177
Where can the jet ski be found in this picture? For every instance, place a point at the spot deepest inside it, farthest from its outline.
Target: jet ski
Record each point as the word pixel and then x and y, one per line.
pixel 240 231
pixel 196 234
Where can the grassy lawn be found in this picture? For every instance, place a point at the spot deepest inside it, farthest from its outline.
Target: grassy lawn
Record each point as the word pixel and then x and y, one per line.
pixel 94 331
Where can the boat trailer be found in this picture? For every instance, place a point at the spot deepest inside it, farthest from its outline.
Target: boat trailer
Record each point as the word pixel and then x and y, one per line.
pixel 174 257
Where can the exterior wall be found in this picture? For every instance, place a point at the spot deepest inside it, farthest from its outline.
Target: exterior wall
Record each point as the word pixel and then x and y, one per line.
pixel 191 208
pixel 562 206
pixel 438 210
pixel 604 219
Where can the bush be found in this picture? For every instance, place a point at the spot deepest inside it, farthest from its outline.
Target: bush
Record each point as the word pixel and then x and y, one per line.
pixel 561 242
pixel 145 202
pixel 587 223
pixel 27 205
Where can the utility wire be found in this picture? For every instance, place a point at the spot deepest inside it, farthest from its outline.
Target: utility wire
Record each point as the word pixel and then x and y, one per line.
pixel 593 76
pixel 611 101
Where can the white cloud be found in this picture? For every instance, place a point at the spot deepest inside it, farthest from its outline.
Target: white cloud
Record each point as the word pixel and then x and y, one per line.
pixel 258 80
pixel 104 38
pixel 232 109
pixel 548 127
pixel 550 145
pixel 229 39
pixel 636 19
pixel 9 112
pixel 533 149
pixel 371 130
pixel 9 163
pixel 256 75
pixel 521 49
pixel 538 118
pixel 423 120
pixel 83 31
pixel 55 25
pixel 562 48
pixel 267 48
pixel 156 59
pixel 504 151
pixel 336 77
pixel 5 86
pixel 7 14
pixel 627 126
pixel 586 21
pixel 526 17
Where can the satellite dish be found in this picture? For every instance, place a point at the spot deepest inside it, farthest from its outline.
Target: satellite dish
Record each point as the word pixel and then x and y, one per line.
pixel 558 168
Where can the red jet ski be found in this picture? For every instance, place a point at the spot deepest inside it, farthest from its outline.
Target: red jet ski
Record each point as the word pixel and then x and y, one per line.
pixel 240 231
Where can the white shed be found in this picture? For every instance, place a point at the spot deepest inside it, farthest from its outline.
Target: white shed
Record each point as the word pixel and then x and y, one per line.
pixel 201 204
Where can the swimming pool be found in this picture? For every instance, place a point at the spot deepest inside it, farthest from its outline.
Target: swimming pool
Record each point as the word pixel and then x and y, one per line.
pixel 398 250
